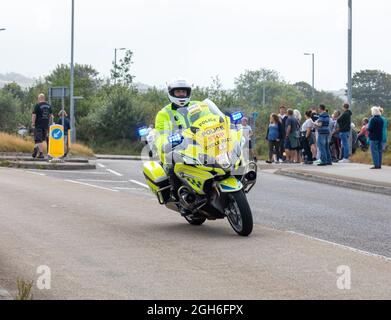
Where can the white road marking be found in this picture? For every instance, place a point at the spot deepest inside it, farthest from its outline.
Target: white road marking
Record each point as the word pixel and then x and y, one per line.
pixel 114 172
pixel 109 181
pixel 73 171
pixel 91 185
pixel 139 183
pixel 121 188
pixel 343 246
pixel 101 165
pixel 38 173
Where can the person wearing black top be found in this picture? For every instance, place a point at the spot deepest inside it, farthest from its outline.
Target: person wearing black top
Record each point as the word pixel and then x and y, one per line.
pixel 344 128
pixel 67 126
pixel 283 117
pixel 41 118
pixel 375 129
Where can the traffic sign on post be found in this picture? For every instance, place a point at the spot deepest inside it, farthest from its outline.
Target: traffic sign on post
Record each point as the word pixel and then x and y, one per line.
pixel 56 141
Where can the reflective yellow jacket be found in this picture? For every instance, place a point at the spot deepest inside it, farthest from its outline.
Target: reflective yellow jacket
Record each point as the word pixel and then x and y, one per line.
pixel 167 122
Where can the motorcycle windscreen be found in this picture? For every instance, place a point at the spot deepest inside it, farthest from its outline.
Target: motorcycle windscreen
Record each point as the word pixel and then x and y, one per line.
pixel 213 135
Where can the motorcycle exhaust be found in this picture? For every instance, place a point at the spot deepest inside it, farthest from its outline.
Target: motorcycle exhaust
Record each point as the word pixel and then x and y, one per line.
pixel 186 197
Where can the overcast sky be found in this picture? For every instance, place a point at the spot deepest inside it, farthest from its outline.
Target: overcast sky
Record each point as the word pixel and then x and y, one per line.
pixel 198 39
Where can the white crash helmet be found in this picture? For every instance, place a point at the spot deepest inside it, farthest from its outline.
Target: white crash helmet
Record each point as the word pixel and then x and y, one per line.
pixel 179 85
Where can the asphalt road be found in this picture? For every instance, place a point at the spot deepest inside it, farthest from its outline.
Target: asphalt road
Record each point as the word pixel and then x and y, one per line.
pixel 103 235
pixel 353 218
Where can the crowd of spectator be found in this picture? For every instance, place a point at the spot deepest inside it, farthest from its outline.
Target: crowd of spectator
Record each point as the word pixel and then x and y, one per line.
pixel 323 139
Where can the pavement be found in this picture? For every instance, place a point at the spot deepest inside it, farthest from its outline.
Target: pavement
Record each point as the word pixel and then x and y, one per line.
pixel 25 161
pixel 103 236
pixel 348 175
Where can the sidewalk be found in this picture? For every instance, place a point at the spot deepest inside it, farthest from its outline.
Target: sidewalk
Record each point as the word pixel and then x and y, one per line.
pixel 25 161
pixel 348 175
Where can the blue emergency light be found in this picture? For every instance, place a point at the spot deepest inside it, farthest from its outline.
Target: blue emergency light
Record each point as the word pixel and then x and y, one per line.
pixel 143 131
pixel 237 116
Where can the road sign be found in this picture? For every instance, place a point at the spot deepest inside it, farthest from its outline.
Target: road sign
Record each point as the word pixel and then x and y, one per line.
pixel 56 141
pixel 58 92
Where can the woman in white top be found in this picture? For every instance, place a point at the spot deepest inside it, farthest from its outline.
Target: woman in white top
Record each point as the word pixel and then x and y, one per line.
pixel 306 137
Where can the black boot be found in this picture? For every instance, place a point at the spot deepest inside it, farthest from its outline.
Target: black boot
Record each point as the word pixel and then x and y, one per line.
pixel 35 152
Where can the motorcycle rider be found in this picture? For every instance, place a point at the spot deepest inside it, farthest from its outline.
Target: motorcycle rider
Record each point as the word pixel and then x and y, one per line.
pixel 168 121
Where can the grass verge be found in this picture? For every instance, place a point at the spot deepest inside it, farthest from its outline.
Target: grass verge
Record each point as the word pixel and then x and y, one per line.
pixel 24 290
pixel 366 158
pixel 14 143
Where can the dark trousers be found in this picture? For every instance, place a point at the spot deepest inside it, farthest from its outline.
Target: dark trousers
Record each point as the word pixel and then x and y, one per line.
pixel 281 150
pixel 274 148
pixel 335 148
pixel 307 153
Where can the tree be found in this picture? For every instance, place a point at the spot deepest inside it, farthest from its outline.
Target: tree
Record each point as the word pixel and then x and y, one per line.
pixel 372 87
pixel 14 89
pixel 121 71
pixel 249 86
pixel 9 111
pixel 305 89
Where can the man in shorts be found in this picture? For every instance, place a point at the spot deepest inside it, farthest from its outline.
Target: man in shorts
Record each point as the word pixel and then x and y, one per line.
pixel 41 118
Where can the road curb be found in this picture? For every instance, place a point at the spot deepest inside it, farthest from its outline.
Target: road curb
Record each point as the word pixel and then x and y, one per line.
pixel 116 157
pixel 340 181
pixel 30 159
pixel 47 165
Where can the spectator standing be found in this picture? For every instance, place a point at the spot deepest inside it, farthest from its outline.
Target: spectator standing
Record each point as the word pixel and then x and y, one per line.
pixel 375 128
pixel 323 125
pixel 41 118
pixel 297 115
pixel 314 147
pixel 306 137
pixel 385 127
pixel 283 117
pixel 344 128
pixel 335 141
pixel 67 126
pixel 292 137
pixel 247 134
pixel 274 136
pixel 363 135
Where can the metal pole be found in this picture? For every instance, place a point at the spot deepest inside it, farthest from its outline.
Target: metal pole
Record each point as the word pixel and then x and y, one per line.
pixel 115 66
pixel 62 107
pixel 350 49
pixel 72 106
pixel 264 95
pixel 313 77
pixel 313 74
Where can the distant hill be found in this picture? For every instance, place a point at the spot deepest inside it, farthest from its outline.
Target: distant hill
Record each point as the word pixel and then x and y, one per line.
pixel 20 79
pixel 340 94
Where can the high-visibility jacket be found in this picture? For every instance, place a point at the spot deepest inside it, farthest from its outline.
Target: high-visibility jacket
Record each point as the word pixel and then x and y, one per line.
pixel 167 122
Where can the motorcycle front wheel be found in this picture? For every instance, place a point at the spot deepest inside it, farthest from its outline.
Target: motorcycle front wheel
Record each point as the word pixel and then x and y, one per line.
pixel 239 213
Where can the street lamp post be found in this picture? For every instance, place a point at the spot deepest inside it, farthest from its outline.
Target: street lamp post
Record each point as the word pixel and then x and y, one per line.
pixel 72 102
pixel 313 74
pixel 350 49
pixel 115 62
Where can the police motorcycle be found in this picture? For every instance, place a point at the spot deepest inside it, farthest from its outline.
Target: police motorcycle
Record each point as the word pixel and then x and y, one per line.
pixel 207 158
